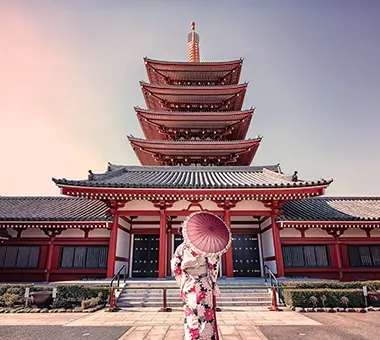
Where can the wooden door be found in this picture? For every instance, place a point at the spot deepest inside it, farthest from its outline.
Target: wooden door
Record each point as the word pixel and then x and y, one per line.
pixel 145 256
pixel 246 255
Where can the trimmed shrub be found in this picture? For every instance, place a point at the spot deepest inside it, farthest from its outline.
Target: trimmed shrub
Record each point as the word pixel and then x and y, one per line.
pixel 10 300
pixel 328 297
pixel 371 285
pixel 68 296
pixel 12 295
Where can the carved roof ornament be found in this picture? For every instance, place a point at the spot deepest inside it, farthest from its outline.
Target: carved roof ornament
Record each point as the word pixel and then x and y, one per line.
pixel 193 45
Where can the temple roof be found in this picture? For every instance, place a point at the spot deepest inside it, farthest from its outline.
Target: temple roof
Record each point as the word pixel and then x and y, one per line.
pixel 194 98
pixel 23 208
pixel 332 209
pixel 158 152
pixel 162 124
pixel 192 177
pixel 183 73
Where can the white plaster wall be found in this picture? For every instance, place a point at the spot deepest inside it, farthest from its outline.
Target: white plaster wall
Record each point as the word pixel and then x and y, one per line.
pixel 316 232
pixel 180 205
pixel 250 205
pixel 289 232
pixel 184 204
pixel 72 232
pixel 11 232
pixel 100 232
pixel 122 244
pixel 138 205
pixel 209 205
pixel 254 227
pixel 266 223
pixel 118 265
pixel 354 232
pixel 147 218
pixel 272 266
pixel 146 226
pixel 267 243
pixel 122 248
pixel 35 232
pixel 123 223
pixel 375 232
pixel 255 219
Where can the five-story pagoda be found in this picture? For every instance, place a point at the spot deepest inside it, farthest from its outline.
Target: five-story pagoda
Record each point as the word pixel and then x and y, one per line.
pixel 194 114
pixel 195 157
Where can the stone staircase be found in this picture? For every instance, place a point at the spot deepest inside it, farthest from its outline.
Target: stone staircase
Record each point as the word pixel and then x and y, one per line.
pixel 235 297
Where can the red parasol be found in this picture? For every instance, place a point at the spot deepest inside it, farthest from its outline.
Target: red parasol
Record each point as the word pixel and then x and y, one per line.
pixel 206 233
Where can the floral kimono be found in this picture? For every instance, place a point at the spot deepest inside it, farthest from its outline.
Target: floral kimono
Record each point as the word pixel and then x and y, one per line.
pixel 196 275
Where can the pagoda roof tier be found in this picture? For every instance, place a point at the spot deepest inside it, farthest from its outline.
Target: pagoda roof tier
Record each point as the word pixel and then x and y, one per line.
pixel 191 182
pixel 158 152
pixel 194 98
pixel 193 73
pixel 161 125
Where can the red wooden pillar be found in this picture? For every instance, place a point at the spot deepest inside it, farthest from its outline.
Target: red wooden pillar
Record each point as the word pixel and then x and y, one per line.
pixel 162 247
pixel 52 234
pixel 277 243
pixel 229 270
pixel 49 258
pixel 130 250
pixel 169 238
pixel 338 257
pixel 112 245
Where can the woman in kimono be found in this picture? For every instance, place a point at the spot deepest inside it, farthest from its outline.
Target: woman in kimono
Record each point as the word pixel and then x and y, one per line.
pixel 196 275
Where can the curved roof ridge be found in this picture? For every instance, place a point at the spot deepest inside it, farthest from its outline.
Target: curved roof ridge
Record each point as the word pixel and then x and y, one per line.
pixel 214 87
pixel 136 108
pixel 234 61
pixel 131 137
pixel 215 168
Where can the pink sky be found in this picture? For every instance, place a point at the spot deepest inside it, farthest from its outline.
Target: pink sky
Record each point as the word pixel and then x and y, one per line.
pixel 70 72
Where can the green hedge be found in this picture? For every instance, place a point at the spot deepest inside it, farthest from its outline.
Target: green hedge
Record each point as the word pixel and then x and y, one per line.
pixel 333 297
pixel 371 285
pixel 68 296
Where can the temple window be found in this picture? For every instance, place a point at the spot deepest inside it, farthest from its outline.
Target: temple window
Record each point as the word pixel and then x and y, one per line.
pixel 364 255
pixel 306 256
pixel 19 256
pixel 83 257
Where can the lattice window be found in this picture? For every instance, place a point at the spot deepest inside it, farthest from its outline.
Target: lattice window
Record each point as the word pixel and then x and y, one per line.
pixel 364 256
pixel 83 257
pixel 22 257
pixel 305 256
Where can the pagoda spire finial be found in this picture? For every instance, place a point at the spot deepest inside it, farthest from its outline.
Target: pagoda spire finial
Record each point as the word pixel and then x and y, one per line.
pixel 193 45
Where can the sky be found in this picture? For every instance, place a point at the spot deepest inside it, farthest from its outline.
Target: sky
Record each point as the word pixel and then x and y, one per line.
pixel 69 73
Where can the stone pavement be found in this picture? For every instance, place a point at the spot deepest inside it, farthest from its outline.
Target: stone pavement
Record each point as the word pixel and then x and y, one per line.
pixel 149 324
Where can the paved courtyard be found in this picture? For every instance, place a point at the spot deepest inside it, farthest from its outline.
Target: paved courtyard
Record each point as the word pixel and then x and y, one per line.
pixel 144 323
pixel 148 324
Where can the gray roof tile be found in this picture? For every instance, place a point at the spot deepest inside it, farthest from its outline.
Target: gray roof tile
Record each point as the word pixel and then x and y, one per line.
pixel 52 209
pixel 332 209
pixel 192 177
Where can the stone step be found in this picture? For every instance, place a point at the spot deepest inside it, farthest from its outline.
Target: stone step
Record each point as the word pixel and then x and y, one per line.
pixel 223 296
pixel 175 291
pixel 177 298
pixel 179 304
